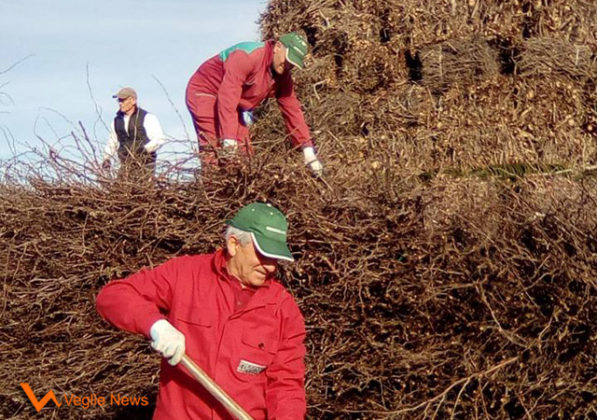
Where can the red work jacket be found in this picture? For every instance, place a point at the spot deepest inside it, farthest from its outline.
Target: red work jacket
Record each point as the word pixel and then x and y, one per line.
pixel 255 354
pixel 241 81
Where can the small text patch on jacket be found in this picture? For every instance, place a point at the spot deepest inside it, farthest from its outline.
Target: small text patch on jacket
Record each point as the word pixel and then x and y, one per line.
pixel 249 368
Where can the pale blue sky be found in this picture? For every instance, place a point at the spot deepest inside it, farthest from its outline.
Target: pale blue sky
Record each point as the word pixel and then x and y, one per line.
pixel 77 49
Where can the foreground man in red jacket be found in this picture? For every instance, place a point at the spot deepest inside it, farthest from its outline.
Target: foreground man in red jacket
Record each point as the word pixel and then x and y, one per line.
pixel 225 90
pixel 229 314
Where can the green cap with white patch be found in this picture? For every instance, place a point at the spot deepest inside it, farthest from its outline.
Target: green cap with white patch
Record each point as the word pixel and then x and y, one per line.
pixel 296 48
pixel 268 228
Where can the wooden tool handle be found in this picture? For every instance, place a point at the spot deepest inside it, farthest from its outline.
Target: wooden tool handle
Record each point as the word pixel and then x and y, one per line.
pixel 215 390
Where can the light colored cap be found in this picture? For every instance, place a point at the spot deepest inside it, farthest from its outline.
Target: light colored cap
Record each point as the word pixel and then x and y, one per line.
pixel 126 92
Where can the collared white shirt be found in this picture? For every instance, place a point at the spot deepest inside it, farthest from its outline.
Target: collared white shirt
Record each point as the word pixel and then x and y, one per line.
pixel 152 128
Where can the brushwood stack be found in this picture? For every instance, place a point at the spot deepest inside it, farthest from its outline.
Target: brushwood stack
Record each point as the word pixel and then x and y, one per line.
pixel 446 267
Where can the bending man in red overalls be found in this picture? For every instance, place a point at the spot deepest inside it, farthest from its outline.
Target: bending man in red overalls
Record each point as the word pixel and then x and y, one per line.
pixel 223 92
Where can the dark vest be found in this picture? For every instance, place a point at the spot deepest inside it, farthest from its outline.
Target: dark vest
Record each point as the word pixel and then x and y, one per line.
pixel 132 143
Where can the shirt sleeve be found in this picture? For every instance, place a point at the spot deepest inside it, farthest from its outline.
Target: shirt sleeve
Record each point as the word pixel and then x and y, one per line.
pixel 136 302
pixel 291 111
pixel 237 68
pixel 112 145
pixel 154 133
pixel 285 392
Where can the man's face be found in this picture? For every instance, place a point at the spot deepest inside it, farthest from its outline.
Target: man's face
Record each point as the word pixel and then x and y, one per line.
pixel 247 265
pixel 279 63
pixel 127 105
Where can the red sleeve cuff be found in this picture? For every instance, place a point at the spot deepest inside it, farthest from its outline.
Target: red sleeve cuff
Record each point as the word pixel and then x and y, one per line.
pixel 145 322
pixel 307 143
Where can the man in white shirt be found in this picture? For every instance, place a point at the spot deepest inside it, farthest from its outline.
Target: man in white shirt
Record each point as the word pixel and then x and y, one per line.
pixel 135 135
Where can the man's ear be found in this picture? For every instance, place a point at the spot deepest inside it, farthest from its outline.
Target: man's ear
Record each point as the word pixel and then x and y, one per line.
pixel 232 245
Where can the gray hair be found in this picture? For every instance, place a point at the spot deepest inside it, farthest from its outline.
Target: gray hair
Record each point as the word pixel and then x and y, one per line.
pixel 243 237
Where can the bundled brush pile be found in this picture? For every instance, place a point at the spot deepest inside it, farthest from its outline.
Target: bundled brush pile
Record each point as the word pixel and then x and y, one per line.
pixel 459 295
pixel 498 81
pixel 446 266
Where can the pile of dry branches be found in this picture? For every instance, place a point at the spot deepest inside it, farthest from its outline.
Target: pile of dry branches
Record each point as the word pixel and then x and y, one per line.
pixel 446 265
pixel 451 84
pixel 456 295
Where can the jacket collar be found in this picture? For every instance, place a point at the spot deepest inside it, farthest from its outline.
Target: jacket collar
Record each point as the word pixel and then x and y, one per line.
pixel 267 294
pixel 269 52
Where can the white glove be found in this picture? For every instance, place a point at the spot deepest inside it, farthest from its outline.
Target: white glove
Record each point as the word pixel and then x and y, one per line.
pixel 167 340
pixel 248 118
pixel 229 147
pixel 312 162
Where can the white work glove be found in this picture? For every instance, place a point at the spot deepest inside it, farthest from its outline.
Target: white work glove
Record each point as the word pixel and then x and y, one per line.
pixel 167 340
pixel 248 118
pixel 229 148
pixel 312 162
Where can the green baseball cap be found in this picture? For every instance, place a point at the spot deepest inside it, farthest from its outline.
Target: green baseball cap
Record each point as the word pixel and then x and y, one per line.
pixel 296 48
pixel 268 228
